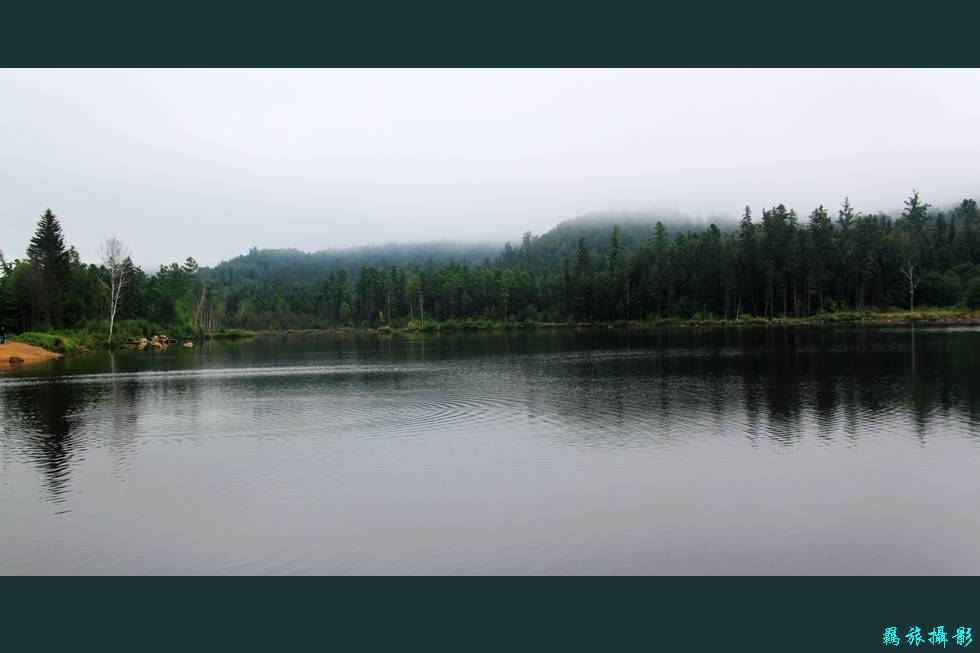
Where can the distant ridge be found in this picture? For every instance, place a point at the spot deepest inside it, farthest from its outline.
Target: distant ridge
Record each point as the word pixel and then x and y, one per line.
pixel 635 227
pixel 425 254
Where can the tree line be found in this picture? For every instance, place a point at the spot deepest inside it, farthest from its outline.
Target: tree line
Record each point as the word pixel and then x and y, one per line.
pixel 777 264
pixel 51 289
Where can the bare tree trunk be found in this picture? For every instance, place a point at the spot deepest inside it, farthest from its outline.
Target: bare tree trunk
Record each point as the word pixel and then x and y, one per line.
pixel 806 299
pixel 909 273
pixel 627 291
pixel 768 311
pixel 201 308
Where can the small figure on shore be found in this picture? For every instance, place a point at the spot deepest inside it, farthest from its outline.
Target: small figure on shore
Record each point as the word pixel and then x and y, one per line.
pixel 3 335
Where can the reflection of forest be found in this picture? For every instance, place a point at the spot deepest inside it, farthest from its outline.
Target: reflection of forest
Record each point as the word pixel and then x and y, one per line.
pixel 41 423
pixel 780 385
pixel 53 423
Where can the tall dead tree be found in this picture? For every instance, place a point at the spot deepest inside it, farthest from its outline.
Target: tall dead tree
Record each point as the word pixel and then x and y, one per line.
pixel 199 317
pixel 204 318
pixel 908 271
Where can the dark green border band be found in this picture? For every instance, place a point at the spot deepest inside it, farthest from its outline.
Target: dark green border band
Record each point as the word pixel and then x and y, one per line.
pixel 492 614
pixel 480 34
pixel 560 614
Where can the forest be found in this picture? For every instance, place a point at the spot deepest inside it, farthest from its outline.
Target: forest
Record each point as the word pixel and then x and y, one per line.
pixel 776 265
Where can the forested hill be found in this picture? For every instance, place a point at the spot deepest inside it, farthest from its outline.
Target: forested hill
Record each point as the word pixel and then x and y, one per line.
pixel 540 252
pixel 615 266
pixel 282 281
pixel 276 263
pixel 536 251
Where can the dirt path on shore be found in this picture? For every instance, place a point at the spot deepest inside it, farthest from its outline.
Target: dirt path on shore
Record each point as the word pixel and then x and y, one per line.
pixel 26 354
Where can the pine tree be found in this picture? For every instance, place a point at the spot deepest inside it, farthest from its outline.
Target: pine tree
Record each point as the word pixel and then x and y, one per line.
pixel 662 277
pixel 48 258
pixel 615 249
pixel 845 216
pixel 48 244
pixel 850 261
pixel 567 288
pixel 747 262
pixel 583 281
pixel 618 278
pixel 915 215
pixel 820 245
pixel 190 266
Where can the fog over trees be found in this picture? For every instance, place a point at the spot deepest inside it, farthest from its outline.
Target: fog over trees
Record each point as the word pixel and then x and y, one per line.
pixel 595 269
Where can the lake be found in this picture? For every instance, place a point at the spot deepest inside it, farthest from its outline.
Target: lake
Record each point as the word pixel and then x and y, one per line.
pixel 752 451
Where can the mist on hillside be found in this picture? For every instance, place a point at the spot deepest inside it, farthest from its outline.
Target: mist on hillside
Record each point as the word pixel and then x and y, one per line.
pixel 635 227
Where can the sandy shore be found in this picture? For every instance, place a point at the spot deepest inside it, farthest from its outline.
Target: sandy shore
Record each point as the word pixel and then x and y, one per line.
pixel 27 354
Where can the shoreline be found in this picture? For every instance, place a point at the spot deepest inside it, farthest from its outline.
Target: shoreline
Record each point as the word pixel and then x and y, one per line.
pixel 14 354
pixel 939 318
pixel 31 353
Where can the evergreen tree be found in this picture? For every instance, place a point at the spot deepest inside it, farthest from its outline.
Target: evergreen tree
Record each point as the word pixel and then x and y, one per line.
pixel 849 262
pixel 662 280
pixel 819 254
pixel 747 268
pixel 583 281
pixel 49 262
pixel 914 216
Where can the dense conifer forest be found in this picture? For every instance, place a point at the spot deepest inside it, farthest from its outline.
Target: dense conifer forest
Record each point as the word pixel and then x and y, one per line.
pixel 777 264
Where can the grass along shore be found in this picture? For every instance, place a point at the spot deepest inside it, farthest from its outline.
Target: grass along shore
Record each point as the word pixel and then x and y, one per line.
pixel 76 341
pixel 81 341
pixel 869 318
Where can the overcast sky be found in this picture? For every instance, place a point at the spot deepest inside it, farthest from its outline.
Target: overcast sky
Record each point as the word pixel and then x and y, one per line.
pixel 210 162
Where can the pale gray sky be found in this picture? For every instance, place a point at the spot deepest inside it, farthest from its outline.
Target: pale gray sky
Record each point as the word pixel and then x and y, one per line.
pixel 210 162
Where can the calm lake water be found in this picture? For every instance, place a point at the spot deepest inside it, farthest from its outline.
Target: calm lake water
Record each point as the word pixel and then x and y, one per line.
pixel 756 451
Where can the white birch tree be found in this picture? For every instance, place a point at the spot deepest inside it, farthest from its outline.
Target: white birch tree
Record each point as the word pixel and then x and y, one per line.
pixel 114 254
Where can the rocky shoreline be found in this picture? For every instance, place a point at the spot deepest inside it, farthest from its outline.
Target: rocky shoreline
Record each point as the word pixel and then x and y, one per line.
pixel 156 342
